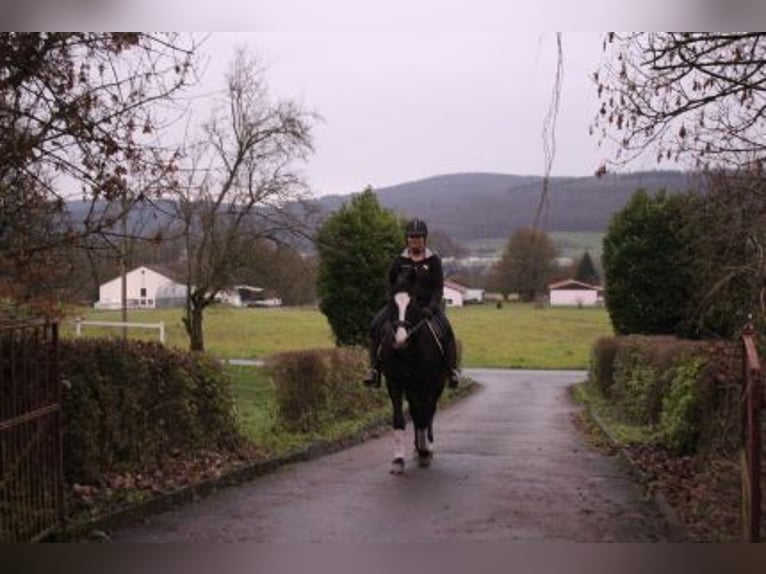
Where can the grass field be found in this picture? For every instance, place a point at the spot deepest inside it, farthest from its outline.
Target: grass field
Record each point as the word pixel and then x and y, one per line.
pixel 515 336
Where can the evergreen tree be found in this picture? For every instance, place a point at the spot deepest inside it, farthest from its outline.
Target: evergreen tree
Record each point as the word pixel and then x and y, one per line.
pixel 646 265
pixel 586 270
pixel 356 246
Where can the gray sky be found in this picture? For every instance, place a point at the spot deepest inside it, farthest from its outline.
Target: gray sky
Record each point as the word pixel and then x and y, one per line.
pixel 413 88
pixel 398 106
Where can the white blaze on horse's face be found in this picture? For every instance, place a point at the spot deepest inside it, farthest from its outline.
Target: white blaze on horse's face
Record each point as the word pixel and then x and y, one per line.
pixel 401 299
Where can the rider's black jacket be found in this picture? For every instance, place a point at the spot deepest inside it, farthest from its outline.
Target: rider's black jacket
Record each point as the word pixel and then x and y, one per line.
pixel 429 278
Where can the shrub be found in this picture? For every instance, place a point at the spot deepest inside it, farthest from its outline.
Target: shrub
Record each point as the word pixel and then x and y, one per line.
pixel 635 381
pixel 635 372
pixel 320 386
pixel 602 357
pixel 131 405
pixel 680 423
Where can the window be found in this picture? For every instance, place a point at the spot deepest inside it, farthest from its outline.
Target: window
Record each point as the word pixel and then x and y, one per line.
pixel 143 292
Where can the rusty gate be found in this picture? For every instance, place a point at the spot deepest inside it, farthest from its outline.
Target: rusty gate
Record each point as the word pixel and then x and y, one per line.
pixel 31 458
pixel 751 440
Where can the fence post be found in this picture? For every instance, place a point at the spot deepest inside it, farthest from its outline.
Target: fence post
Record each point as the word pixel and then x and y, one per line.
pixel 78 326
pixel 162 332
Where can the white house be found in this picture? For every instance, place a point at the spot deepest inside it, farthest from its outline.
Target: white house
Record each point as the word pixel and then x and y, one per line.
pixel 574 293
pixel 457 295
pixel 453 295
pixel 146 289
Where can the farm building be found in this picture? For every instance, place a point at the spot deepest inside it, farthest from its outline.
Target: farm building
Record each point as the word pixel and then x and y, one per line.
pixel 457 295
pixel 571 292
pixel 248 296
pixel 146 289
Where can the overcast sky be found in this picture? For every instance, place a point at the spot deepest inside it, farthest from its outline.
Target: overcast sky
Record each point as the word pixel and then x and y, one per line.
pixel 408 89
pixel 402 106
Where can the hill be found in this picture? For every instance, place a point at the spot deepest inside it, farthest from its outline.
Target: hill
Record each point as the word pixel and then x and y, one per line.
pixel 478 205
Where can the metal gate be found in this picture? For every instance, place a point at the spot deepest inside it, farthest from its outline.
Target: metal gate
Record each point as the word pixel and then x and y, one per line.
pixel 750 439
pixel 31 458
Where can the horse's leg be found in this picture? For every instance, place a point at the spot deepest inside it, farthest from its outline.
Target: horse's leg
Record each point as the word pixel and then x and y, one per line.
pixel 398 422
pixel 424 452
pixel 419 421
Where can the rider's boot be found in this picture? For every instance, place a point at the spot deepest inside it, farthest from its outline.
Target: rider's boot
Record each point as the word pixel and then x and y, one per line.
pixel 453 375
pixel 372 379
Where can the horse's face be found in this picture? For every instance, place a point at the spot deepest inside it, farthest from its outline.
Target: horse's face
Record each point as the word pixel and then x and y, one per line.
pixel 404 311
pixel 402 301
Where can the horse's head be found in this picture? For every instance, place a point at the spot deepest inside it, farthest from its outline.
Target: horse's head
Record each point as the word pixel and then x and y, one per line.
pixel 406 313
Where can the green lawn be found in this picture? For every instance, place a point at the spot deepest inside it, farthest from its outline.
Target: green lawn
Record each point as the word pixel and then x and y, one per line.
pixel 522 336
pixel 516 336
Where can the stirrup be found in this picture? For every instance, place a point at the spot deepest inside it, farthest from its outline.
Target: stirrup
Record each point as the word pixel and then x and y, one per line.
pixel 453 378
pixel 372 379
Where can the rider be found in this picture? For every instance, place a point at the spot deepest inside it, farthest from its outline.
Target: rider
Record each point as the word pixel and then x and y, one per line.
pixel 429 290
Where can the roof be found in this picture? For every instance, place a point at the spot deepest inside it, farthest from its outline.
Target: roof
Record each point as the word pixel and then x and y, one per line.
pixel 573 284
pixel 456 286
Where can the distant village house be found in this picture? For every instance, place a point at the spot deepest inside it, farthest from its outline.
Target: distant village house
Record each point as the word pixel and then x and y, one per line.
pixel 148 288
pixel 571 292
pixel 457 295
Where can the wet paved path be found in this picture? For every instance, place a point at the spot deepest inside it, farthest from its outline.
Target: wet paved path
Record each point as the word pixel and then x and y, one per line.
pixel 509 465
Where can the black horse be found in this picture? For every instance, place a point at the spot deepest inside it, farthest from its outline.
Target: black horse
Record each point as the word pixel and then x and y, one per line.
pixel 412 359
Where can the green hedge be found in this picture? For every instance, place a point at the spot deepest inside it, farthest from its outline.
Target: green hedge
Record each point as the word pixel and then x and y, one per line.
pixel 685 391
pixel 130 405
pixel 320 386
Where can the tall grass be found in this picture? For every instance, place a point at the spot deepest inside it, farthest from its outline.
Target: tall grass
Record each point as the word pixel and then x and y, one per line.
pixel 515 336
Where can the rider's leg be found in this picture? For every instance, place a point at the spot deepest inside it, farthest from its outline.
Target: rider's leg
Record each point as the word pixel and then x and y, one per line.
pixel 450 354
pixel 373 377
pixel 453 375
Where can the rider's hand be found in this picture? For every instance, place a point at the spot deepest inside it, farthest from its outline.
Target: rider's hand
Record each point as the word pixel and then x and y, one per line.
pixel 427 312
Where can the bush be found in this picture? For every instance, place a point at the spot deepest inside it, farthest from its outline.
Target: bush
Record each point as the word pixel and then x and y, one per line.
pixel 320 386
pixel 636 384
pixel 679 425
pixel 131 405
pixel 635 372
pixel 602 357
pixel 689 390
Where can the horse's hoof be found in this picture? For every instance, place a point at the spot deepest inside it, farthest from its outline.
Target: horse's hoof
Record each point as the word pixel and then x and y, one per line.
pixel 424 458
pixel 397 466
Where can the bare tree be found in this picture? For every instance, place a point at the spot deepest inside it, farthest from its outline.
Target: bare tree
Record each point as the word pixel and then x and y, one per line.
pixel 240 185
pixel 700 96
pixel 527 264
pixel 80 115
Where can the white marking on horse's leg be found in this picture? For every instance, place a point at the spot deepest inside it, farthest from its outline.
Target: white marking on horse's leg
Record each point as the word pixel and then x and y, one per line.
pixel 397 465
pixel 401 299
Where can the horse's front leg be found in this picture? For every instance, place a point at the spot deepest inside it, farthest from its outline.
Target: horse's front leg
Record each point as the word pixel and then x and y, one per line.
pixel 397 404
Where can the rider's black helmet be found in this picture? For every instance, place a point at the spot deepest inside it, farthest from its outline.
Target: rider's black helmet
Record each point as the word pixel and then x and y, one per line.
pixel 416 228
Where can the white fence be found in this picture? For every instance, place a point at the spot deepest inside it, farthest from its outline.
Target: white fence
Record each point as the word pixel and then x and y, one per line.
pixel 79 324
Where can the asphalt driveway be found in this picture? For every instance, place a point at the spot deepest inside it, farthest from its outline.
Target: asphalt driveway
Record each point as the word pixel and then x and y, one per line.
pixel 509 465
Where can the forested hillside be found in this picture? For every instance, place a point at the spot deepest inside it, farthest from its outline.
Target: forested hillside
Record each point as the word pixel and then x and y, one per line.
pixel 477 205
